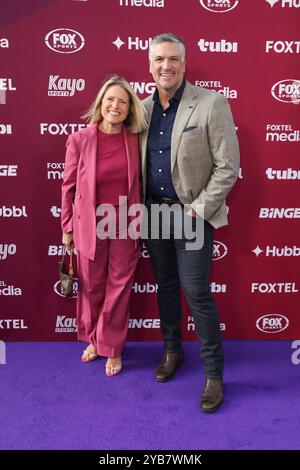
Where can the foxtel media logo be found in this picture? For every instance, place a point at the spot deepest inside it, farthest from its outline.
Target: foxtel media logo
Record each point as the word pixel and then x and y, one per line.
pixel 142 3
pixel 282 133
pixel 55 170
pixel 191 325
pixel 10 290
pixel 215 85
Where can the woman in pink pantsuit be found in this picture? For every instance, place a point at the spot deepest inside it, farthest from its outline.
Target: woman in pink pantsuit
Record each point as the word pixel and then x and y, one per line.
pixel 102 163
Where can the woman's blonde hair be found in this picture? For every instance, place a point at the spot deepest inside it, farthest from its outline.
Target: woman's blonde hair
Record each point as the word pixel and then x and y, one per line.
pixel 136 120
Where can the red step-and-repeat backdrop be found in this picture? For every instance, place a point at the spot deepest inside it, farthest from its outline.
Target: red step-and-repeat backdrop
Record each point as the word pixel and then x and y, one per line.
pixel 54 56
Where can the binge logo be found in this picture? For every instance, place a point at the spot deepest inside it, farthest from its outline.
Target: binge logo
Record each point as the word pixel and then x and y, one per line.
pixel 284 3
pixel 6 249
pixel 64 41
pixel 65 324
pixel 288 174
pixel 219 6
pixel 54 128
pixel 55 211
pixel 283 47
pixel 272 323
pixel 9 290
pixel 13 211
pixel 279 213
pixel 64 86
pixel 148 323
pixel 133 43
pixel 2 352
pixel 142 88
pixel 219 250
pixel 287 91
pixel 282 133
pixel 296 354
pixel 8 170
pixel 4 44
pixel 217 46
pixel 58 250
pixel 5 129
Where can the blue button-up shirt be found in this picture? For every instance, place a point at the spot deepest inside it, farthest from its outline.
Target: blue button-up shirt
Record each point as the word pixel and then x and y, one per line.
pixel 159 180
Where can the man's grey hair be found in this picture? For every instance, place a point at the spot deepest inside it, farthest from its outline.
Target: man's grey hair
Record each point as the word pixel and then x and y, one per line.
pixel 167 37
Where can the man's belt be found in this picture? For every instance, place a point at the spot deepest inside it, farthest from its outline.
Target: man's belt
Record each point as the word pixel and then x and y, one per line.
pixel 164 200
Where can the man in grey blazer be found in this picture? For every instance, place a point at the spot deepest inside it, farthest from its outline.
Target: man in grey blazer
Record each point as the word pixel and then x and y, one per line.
pixel 190 157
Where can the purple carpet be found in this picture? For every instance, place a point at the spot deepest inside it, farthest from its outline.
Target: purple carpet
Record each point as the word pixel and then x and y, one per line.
pixel 50 400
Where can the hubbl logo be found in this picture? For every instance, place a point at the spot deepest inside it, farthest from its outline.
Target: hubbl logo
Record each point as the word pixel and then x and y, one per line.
pixel 219 6
pixel 64 41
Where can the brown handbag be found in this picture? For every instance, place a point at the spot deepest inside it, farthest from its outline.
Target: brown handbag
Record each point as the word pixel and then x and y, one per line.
pixel 66 275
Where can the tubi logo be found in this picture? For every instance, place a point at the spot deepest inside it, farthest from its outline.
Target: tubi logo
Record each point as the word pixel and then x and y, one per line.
pixel 219 250
pixel 5 129
pixel 272 323
pixel 287 91
pixel 64 41
pixel 219 6
pixel 217 46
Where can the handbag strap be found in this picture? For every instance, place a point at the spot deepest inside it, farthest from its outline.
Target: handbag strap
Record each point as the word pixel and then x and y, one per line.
pixel 71 271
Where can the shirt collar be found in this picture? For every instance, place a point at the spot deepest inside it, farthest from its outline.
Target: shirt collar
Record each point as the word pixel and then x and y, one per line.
pixel 176 97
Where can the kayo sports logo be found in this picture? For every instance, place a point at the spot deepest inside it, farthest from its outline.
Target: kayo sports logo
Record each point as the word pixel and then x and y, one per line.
pixel 219 6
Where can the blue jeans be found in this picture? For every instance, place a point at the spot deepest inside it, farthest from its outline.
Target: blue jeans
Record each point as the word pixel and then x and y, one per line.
pixel 174 266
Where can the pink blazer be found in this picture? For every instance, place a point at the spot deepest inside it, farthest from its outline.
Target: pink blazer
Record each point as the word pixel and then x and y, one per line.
pixel 78 208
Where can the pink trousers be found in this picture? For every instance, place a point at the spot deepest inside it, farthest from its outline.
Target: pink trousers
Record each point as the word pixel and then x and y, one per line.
pixel 103 294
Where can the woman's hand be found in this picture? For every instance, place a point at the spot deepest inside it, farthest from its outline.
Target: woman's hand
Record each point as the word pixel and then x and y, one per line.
pixel 68 241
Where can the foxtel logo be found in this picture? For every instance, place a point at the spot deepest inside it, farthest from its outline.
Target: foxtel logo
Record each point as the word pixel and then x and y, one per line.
pixel 283 47
pixel 274 287
pixel 54 128
pixel 279 213
pixel 282 133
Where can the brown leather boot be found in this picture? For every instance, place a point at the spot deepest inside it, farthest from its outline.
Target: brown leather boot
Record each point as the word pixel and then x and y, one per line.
pixel 168 366
pixel 212 395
